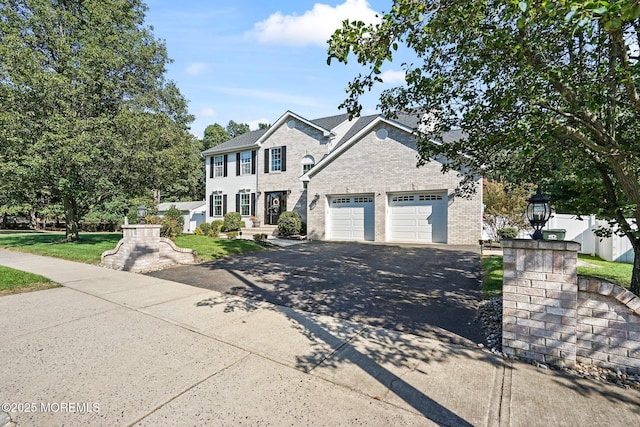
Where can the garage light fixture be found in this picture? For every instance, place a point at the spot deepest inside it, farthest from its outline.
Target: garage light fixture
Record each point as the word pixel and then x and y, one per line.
pixel 538 213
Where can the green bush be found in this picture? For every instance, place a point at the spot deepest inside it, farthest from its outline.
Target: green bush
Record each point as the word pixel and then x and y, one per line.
pixel 232 235
pixel 508 233
pixel 232 221
pixel 260 237
pixel 289 223
pixel 203 229
pixel 216 226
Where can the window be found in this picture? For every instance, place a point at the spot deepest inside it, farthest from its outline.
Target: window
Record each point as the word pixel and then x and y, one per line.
pixel 341 200
pixel 402 199
pixel 430 197
pixel 245 163
pixel 276 159
pixel 218 166
pixel 217 205
pixel 306 168
pixel 245 204
pixel 363 199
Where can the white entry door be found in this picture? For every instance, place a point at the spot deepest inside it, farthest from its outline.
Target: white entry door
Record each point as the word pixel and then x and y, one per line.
pixel 351 218
pixel 419 218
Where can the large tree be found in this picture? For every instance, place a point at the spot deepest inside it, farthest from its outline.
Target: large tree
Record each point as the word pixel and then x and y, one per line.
pixel 236 129
pixel 546 91
pixel 87 110
pixel 214 135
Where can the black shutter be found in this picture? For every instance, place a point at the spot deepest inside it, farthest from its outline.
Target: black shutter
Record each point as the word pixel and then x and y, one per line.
pixel 224 204
pixel 211 205
pixel 253 162
pixel 284 158
pixel 253 204
pixel 266 160
pixel 226 160
pixel 237 164
pixel 237 202
pixel 211 167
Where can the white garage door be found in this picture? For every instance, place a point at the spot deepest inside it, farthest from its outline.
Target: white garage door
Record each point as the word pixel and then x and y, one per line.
pixel 351 218
pixel 420 218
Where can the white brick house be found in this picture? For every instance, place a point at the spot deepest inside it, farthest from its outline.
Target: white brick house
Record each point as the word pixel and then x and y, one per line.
pixel 348 180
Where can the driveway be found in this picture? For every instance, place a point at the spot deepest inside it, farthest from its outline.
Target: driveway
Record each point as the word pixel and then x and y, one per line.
pixel 432 291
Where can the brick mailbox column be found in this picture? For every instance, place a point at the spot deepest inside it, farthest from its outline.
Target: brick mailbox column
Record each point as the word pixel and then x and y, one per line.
pixel 540 297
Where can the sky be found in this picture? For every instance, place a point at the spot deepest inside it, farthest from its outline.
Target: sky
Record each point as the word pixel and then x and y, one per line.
pixel 252 60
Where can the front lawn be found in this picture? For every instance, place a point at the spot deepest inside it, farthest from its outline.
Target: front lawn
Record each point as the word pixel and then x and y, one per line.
pixel 15 281
pixel 91 245
pixel 614 272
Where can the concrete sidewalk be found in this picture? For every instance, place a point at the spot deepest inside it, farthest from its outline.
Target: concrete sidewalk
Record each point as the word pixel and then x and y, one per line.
pixel 114 348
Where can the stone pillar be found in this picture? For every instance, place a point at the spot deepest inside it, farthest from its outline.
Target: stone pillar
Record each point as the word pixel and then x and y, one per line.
pixel 142 249
pixel 540 293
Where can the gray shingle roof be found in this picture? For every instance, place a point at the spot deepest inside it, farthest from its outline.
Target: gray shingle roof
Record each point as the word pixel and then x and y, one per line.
pixel 331 122
pixel 360 124
pixel 246 140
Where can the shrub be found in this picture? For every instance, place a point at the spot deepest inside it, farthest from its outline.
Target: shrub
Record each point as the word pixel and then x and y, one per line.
pixel 260 237
pixel 508 233
pixel 198 231
pixel 289 223
pixel 232 221
pixel 232 235
pixel 216 226
pixel 172 223
pixel 205 228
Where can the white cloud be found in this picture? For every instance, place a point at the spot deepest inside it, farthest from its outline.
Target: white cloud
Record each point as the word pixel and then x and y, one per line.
pixel 254 124
pixel 207 112
pixel 196 68
pixel 391 76
pixel 314 27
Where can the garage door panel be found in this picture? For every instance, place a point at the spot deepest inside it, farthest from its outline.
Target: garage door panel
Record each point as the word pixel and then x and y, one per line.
pixel 418 218
pixel 351 218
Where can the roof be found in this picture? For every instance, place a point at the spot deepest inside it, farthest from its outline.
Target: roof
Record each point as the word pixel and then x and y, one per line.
pixel 360 124
pixel 246 140
pixel 183 206
pixel 331 122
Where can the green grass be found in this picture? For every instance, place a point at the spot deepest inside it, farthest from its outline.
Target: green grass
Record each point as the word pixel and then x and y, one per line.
pixel 88 249
pixel 91 245
pixel 614 272
pixel 15 281
pixel 209 248
pixel 491 276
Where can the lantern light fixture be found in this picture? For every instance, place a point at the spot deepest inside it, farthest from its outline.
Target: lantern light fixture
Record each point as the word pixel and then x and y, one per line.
pixel 538 213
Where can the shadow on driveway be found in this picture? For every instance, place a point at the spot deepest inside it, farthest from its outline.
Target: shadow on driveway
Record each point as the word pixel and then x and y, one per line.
pixel 432 291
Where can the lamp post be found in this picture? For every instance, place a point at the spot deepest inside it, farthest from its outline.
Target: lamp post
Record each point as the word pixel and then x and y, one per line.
pixel 538 213
pixel 142 214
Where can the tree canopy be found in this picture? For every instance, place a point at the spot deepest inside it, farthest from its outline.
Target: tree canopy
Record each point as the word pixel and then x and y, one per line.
pixel 546 92
pixel 86 112
pixel 236 129
pixel 214 135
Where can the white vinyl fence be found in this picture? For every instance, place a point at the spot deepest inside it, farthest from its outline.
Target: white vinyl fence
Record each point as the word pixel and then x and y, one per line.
pixel 614 248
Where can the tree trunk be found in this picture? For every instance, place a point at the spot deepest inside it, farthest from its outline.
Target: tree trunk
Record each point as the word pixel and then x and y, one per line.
pixel 71 218
pixel 635 276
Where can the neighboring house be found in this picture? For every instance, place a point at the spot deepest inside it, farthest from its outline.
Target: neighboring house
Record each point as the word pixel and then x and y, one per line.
pixel 348 179
pixel 194 213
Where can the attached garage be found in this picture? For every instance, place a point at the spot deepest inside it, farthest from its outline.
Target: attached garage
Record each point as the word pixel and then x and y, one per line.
pixel 351 218
pixel 418 218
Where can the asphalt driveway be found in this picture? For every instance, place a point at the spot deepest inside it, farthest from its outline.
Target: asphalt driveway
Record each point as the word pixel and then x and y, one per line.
pixel 431 291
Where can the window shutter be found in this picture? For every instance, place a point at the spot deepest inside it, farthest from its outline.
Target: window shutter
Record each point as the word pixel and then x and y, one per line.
pixel 253 162
pixel 210 204
pixel 284 158
pixel 211 167
pixel 253 204
pixel 237 202
pixel 224 204
pixel 226 160
pixel 266 160
pixel 237 164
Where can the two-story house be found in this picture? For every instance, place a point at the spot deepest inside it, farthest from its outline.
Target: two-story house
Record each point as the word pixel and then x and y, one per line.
pixel 348 180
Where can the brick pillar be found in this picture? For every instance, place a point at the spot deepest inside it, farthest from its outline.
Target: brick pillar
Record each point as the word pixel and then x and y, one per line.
pixel 540 294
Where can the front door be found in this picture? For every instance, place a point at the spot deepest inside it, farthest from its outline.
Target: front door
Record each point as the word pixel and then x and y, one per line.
pixel 275 204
